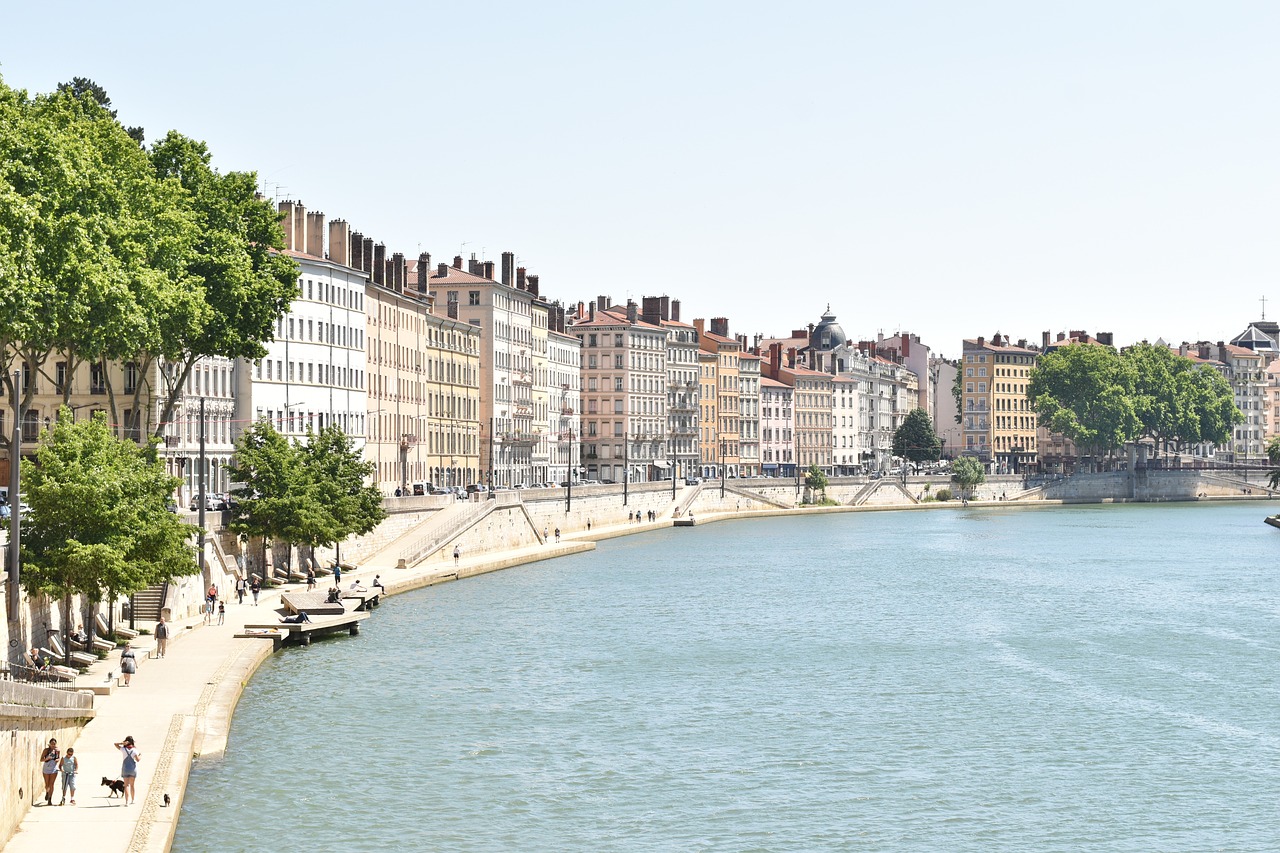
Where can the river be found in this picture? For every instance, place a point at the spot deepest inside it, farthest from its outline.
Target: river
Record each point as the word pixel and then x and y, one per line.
pixel 1065 679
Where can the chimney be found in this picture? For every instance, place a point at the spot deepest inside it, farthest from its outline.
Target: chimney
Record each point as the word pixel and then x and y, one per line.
pixel 631 311
pixel 1022 342
pixel 664 310
pixel 285 208
pixel 380 264
pixel 424 271
pixel 720 326
pixel 591 315
pixel 340 242
pixel 982 341
pixel 531 282
pixel 1106 338
pixel 520 278
pixel 791 357
pixel 473 266
pixel 700 325
pixel 398 265
pixel 366 255
pixel 755 345
pixel 775 359
pixel 508 268
pixel 651 310
pixel 1044 340
pixel 602 303
pixel 582 310
pixel 1079 335
pixel 488 270
pixel 457 262
pixel 442 270
pixel 315 234
pixel 675 310
pixel 809 337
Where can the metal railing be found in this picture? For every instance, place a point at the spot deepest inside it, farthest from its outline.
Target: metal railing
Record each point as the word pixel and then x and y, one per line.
pixel 44 676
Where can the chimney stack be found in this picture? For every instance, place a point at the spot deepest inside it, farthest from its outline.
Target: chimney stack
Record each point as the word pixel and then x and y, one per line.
pixel 366 255
pixel 520 281
pixel 457 262
pixel 531 283
pixel 651 310
pixel 315 234
pixel 720 326
pixel 442 270
pixel 488 270
pixel 288 222
pixel 631 311
pixel 791 357
pixel 1044 340
pixel 398 266
pixel 424 272
pixel 340 242
pixel 473 266
pixel 380 264
pixel 602 303
pixel 675 310
pixel 508 268
pixel 775 359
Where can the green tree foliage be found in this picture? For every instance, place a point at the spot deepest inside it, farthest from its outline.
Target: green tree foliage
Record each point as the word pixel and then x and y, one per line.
pixel 99 522
pixel 240 285
pixel 915 439
pixel 83 87
pixel 1273 455
pixel 967 473
pixel 957 393
pixel 90 237
pixel 816 480
pixel 1083 392
pixel 310 493
pixel 339 476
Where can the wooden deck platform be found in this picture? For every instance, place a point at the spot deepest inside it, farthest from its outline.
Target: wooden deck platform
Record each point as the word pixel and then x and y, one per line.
pixel 302 632
pixel 684 522
pixel 365 599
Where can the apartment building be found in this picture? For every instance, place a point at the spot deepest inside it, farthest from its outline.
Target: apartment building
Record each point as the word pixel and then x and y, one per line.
pixel 503 313
pixel 564 381
pixel 708 413
pixel 998 425
pixel 777 425
pixel 846 456
pixel 727 399
pixel 1245 371
pixel 625 373
pixel 314 373
pixel 682 383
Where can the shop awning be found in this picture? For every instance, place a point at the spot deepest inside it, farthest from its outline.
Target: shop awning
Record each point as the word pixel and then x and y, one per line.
pixel 659 463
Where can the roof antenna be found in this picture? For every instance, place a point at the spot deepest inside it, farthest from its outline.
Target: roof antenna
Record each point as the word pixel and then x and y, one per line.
pixel 1264 306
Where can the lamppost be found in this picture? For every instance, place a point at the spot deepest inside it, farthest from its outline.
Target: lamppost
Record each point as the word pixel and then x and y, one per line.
pixel 722 450
pixel 626 464
pixel 568 480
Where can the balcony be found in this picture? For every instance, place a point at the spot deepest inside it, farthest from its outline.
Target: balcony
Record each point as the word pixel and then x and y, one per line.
pixel 521 439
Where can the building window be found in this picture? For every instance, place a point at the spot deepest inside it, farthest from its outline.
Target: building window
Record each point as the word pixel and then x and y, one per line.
pixel 473 297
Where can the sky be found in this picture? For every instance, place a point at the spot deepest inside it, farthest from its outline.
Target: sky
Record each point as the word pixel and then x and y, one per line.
pixel 949 169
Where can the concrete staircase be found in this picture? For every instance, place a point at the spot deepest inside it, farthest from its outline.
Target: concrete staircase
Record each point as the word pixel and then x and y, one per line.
pixel 446 526
pixel 147 603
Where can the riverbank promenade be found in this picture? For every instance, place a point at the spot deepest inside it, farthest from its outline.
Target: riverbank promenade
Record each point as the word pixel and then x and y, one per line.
pixel 179 707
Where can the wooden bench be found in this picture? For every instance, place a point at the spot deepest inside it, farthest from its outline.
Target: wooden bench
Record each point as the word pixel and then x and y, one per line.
pixel 82 659
pixel 314 603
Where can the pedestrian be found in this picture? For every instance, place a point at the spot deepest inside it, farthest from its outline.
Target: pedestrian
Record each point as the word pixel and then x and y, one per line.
pixel 222 612
pixel 377 583
pixel 206 610
pixel 337 575
pixel 241 586
pixel 546 536
pixel 588 524
pixel 128 663
pixel 255 587
pixel 70 766
pixel 49 767
pixel 162 637
pixel 311 578
pixel 557 534
pixel 129 768
pixel 457 552
pixel 211 596
pixel 629 514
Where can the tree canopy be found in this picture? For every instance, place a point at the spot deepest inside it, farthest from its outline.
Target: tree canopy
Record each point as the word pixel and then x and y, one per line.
pixel 915 439
pixel 99 522
pixel 309 493
pixel 967 473
pixel 1101 399
pixel 112 252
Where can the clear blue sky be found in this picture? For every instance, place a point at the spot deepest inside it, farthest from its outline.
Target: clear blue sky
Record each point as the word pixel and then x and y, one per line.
pixel 949 168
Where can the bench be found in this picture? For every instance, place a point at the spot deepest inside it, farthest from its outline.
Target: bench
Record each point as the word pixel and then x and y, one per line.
pixel 101 622
pixel 82 659
pixel 314 603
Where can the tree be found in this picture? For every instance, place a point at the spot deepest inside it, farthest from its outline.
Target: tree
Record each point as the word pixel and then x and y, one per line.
pixel 816 480
pixel 915 439
pixel 967 473
pixel 1273 455
pixel 83 87
pixel 1082 391
pixel 339 476
pixel 99 522
pixel 89 235
pixel 273 502
pixel 957 389
pixel 241 285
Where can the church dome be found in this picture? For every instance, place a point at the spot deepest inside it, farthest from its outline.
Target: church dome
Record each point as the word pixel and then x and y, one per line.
pixel 828 335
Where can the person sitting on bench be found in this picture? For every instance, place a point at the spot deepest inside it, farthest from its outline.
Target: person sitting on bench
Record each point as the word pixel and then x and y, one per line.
pixel 377 583
pixel 297 619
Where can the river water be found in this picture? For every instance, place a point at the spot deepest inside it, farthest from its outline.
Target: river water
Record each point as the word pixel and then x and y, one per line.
pixel 1080 678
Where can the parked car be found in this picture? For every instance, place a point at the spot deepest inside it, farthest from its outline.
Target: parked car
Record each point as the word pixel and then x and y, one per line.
pixel 474 488
pixel 692 481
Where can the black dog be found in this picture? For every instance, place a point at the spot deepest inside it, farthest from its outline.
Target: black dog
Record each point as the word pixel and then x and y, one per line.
pixel 166 801
pixel 116 786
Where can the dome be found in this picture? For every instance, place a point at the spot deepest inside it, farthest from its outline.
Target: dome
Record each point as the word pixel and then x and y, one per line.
pixel 828 335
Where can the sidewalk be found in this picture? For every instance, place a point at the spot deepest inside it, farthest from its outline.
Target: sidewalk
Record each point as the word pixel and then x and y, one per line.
pixel 181 706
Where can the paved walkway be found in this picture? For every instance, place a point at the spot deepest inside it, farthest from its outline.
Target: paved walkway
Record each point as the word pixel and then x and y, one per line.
pixel 181 706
